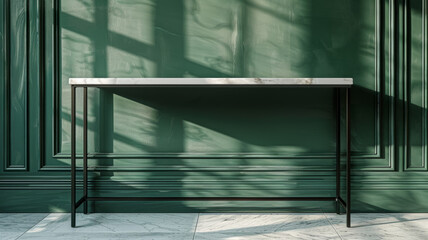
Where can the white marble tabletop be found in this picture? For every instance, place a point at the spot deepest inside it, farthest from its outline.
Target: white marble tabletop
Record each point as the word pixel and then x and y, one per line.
pixel 340 82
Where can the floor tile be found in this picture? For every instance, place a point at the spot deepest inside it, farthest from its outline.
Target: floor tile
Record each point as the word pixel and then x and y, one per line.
pixel 107 236
pixel 13 222
pixel 13 225
pixel 371 226
pixel 264 226
pixel 10 235
pixel 165 226
pixel 118 223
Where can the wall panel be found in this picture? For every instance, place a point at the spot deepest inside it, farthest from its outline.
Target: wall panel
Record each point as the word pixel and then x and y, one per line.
pixel 82 41
pixel 17 85
pixel 416 86
pixel 205 142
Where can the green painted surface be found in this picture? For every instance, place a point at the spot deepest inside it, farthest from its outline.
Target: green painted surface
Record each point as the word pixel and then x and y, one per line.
pixel 223 38
pixel 214 142
pixel 18 84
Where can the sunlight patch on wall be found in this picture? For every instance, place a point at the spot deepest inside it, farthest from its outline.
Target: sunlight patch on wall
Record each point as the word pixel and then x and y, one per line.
pixel 77 52
pixel 83 9
pixel 210 35
pixel 133 19
pixel 200 139
pixel 128 64
pixel 136 132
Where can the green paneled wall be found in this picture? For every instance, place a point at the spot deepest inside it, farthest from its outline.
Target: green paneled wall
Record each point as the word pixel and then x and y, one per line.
pixel 214 142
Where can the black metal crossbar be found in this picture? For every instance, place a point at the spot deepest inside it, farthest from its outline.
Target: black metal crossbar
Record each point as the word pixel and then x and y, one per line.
pixel 211 198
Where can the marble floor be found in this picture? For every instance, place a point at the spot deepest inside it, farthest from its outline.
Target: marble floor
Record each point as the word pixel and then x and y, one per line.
pixel 184 226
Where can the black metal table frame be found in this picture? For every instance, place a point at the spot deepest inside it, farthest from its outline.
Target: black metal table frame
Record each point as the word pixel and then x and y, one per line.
pixel 84 200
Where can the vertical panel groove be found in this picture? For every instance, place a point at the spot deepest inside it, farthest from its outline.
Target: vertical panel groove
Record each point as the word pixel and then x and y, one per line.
pixel 42 69
pixel 6 128
pixel 392 82
pixel 425 79
pixel 27 69
pixel 405 83
pixel 424 119
pixel 378 76
pixel 56 75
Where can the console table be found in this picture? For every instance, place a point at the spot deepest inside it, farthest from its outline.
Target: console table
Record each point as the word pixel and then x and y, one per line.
pixel 335 83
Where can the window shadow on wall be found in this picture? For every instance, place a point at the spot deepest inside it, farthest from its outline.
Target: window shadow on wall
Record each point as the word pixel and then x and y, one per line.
pixel 229 39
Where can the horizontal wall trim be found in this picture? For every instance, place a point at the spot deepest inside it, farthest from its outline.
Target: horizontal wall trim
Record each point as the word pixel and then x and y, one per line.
pixel 206 169
pixel 216 155
pixel 12 168
pixel 213 169
pixel 61 184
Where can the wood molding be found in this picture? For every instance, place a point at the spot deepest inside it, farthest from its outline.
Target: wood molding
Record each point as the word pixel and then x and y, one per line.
pixel 376 158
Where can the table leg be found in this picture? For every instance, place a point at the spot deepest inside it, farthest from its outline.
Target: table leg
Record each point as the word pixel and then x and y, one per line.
pixel 73 156
pixel 85 149
pixel 337 150
pixel 348 159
